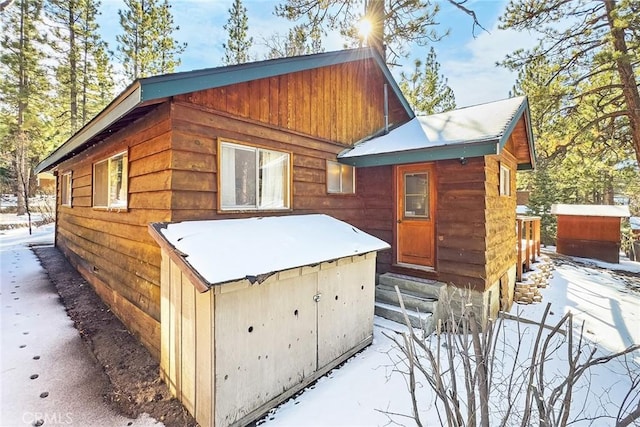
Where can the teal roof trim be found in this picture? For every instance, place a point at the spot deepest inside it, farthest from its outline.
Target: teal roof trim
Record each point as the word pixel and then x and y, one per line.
pixel 523 110
pixel 152 90
pixel 192 81
pixel 445 152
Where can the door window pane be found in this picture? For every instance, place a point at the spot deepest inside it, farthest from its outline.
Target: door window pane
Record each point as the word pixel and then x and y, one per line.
pixel 416 195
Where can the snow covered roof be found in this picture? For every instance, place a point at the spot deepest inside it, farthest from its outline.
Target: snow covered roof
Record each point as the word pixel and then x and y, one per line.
pixel 466 132
pixel 590 210
pixel 228 250
pixel 635 222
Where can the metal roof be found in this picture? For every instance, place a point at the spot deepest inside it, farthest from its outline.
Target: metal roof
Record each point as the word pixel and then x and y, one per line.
pixel 137 99
pixel 466 132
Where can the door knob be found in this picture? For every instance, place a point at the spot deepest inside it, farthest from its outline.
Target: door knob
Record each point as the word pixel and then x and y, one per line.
pixel 399 221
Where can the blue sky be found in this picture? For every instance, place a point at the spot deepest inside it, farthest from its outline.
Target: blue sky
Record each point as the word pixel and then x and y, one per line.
pixel 467 62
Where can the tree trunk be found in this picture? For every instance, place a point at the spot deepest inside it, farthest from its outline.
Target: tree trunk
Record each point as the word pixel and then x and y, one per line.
pixel 375 14
pixel 627 77
pixel 73 68
pixel 20 160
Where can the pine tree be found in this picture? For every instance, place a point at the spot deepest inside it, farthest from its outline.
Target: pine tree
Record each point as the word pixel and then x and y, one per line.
pixel 147 47
pixel 80 52
pixel 584 39
pixel 399 23
pixel 236 49
pixel 296 42
pixel 24 88
pixel 426 89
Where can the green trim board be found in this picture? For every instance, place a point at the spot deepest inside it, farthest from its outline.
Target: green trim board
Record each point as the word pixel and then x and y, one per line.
pixel 152 90
pixel 473 131
pixel 445 152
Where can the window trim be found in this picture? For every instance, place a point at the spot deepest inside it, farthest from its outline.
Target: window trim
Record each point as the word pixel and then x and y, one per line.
pixel 341 191
pixel 108 206
pixel 504 188
pixel 252 147
pixel 66 201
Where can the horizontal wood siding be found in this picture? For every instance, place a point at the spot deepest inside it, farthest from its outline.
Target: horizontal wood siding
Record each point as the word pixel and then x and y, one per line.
pixel 461 228
pixel 342 103
pixel 375 188
pixel 194 166
pixel 113 250
pixel 172 173
pixel 500 218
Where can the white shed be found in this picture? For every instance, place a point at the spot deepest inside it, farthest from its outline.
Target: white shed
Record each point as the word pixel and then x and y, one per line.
pixel 253 310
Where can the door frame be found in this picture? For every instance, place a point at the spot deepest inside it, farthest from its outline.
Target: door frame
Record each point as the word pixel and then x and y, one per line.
pixel 433 200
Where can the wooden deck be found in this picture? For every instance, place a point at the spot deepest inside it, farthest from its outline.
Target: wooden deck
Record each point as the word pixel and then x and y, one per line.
pixel 528 243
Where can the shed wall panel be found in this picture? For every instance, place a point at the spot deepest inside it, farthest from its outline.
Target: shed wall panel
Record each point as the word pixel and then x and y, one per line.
pixel 347 296
pixel 264 326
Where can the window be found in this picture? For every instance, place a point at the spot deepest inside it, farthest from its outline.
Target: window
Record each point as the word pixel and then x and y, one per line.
pixel 253 178
pixel 110 182
pixel 340 178
pixel 65 189
pixel 505 180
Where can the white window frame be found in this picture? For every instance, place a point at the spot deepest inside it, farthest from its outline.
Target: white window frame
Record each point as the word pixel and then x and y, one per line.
pixel 505 180
pixel 331 174
pixel 66 196
pixel 225 193
pixel 118 203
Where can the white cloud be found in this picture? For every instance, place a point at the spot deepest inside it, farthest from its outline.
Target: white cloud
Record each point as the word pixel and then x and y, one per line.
pixel 472 71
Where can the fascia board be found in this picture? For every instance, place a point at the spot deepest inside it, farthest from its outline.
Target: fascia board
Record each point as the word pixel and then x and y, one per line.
pixel 423 155
pixel 117 109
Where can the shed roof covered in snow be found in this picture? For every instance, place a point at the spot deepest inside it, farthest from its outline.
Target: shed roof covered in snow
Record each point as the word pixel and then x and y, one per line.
pixel 228 250
pixel 619 211
pixel 466 132
pixel 635 222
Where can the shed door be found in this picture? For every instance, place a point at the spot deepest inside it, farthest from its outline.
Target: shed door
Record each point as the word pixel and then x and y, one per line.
pixel 415 215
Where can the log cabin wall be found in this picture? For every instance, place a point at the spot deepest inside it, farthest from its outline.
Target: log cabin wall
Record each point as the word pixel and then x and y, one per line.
pixel 312 114
pixel 461 230
pixel 113 250
pixel 172 169
pixel 375 189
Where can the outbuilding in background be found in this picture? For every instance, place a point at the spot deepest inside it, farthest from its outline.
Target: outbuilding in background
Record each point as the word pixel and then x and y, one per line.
pixel 590 231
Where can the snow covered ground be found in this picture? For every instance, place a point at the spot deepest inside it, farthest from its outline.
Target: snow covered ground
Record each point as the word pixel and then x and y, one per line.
pixel 368 390
pixel 38 339
pixel 47 375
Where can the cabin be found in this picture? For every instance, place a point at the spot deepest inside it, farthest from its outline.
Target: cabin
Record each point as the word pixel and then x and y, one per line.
pixel 590 231
pixel 329 133
pixel 441 188
pixel 256 139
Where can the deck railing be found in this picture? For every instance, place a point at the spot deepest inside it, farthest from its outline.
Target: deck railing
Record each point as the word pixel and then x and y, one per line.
pixel 528 243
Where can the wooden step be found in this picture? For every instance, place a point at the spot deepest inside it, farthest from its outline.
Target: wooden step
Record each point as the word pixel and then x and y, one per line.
pixel 416 286
pixel 412 302
pixel 418 320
